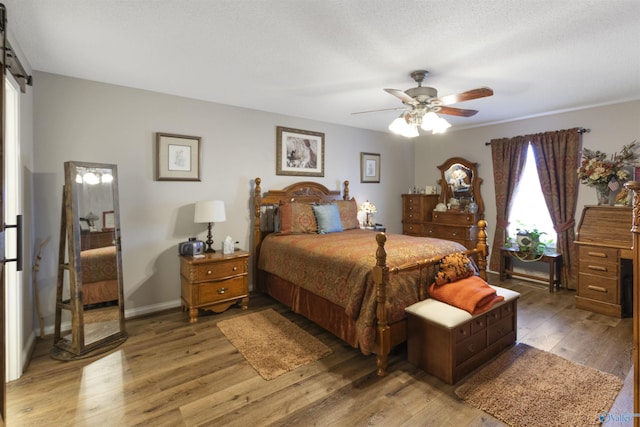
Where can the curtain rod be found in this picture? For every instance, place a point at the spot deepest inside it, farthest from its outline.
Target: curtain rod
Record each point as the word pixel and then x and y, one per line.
pixel 580 131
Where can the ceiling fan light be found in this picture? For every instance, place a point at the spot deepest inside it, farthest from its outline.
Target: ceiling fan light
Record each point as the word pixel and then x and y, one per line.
pixel 410 132
pixel 441 126
pixel 430 121
pixel 400 126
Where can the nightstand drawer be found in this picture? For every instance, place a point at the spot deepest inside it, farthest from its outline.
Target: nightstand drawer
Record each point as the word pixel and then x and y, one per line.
pixel 217 291
pixel 220 270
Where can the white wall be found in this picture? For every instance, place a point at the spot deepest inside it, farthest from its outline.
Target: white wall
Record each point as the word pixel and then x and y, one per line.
pixel 87 121
pixel 611 127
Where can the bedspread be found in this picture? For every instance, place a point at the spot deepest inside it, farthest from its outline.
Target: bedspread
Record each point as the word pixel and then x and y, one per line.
pixel 99 264
pixel 337 267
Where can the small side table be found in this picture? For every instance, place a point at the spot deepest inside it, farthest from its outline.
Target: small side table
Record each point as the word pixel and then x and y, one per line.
pixel 554 260
pixel 214 282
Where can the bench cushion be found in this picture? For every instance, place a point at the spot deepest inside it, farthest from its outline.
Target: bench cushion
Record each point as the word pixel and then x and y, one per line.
pixel 449 316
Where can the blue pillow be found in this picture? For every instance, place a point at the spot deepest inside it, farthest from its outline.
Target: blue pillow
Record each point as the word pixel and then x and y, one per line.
pixel 328 218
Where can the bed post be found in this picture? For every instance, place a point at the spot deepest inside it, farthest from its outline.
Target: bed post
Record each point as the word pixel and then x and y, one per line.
pixel 482 246
pixel 380 279
pixel 345 195
pixel 257 231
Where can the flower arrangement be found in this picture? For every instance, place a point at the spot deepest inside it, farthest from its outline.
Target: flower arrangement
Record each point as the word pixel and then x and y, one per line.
pixel 596 170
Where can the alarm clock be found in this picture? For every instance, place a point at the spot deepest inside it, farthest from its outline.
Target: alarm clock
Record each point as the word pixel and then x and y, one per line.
pixel 191 247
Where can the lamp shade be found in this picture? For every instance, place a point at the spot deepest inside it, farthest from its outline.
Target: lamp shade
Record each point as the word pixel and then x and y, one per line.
pixel 210 211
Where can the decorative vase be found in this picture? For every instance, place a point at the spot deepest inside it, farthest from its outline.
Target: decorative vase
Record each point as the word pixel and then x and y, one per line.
pixel 603 192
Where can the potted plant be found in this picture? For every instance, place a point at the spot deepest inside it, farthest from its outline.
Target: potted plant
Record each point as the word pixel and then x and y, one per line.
pixel 528 239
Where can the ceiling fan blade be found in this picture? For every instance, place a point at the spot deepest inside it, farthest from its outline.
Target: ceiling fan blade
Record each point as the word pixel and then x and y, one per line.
pixel 382 109
pixel 403 96
pixel 465 96
pixel 457 111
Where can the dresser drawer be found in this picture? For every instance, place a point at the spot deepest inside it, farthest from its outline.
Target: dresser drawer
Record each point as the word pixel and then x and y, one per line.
pixel 220 270
pixel 497 314
pixel 412 229
pixel 598 288
pixel 603 255
pixel 470 347
pixel 217 291
pixel 455 218
pixel 598 268
pixel 448 232
pixel 500 329
pixel 462 332
pixel 478 324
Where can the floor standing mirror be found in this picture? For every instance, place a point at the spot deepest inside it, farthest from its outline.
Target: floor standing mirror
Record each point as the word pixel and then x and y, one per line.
pixel 89 295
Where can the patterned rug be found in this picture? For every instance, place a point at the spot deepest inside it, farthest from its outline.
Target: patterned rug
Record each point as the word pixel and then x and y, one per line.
pixel 271 343
pixel 529 387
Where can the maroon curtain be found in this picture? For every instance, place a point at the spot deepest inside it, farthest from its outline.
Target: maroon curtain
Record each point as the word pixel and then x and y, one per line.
pixel 557 159
pixel 509 156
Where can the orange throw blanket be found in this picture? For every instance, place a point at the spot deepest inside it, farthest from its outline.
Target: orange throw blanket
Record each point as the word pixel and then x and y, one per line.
pixel 471 294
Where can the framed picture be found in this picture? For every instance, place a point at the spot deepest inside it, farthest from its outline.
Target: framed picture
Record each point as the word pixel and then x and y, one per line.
pixel 299 152
pixel 177 157
pixel 369 167
pixel 84 225
pixel 108 221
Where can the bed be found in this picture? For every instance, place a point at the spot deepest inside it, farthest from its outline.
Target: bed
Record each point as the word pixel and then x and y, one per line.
pixel 99 275
pixel 354 283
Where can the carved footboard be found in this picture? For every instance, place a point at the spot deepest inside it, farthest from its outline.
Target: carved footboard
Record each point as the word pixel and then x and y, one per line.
pixel 381 274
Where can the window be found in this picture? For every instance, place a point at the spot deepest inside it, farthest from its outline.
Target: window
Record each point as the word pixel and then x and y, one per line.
pixel 529 208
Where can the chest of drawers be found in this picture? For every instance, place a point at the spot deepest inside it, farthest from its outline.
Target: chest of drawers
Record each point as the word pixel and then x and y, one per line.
pixel 214 282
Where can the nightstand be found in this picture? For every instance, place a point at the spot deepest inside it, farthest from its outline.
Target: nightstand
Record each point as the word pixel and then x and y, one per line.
pixel 214 282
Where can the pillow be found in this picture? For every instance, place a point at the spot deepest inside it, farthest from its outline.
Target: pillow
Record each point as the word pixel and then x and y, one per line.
pixel 454 267
pixel 328 218
pixel 348 213
pixel 297 218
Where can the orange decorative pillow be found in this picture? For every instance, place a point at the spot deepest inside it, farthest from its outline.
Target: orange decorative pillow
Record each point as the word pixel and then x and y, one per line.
pixel 297 218
pixel 348 213
pixel 454 267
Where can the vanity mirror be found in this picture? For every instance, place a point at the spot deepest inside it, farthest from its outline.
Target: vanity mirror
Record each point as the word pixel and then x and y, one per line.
pixel 89 295
pixel 461 185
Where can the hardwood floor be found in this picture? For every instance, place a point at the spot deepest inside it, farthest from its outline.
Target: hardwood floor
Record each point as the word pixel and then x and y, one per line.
pixel 173 373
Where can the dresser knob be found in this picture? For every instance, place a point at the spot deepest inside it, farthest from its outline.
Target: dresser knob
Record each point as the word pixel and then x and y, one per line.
pixel 222 290
pixel 235 268
pixel 209 272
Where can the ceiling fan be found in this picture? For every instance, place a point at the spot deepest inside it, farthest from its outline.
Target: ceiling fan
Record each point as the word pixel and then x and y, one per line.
pixel 422 104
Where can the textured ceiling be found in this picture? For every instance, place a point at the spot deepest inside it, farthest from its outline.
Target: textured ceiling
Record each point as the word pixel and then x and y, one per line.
pixel 324 59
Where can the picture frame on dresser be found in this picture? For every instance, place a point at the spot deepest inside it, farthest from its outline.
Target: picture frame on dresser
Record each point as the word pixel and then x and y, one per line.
pixel 299 152
pixel 108 221
pixel 370 167
pixel 177 157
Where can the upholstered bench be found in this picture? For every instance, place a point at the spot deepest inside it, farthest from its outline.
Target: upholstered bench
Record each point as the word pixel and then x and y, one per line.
pixel 449 343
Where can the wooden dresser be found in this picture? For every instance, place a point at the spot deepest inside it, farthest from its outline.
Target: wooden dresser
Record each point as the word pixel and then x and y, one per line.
pixel 605 250
pixel 419 219
pixel 417 212
pixel 454 225
pixel 214 282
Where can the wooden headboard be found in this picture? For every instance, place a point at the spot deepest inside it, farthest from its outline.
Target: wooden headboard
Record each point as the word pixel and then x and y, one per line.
pixel 265 205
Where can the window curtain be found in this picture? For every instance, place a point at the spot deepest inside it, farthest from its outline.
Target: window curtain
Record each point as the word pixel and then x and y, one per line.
pixel 509 156
pixel 557 158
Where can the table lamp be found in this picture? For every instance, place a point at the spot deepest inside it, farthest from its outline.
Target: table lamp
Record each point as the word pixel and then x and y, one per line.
pixel 209 211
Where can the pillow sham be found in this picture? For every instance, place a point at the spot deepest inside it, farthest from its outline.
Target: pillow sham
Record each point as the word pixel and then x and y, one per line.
pixel 328 218
pixel 348 213
pixel 297 218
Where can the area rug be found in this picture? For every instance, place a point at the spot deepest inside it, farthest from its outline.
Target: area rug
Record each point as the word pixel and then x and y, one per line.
pixel 529 387
pixel 272 344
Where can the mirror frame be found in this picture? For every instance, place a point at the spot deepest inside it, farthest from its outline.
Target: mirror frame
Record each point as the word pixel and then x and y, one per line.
pixel 70 250
pixel 446 194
